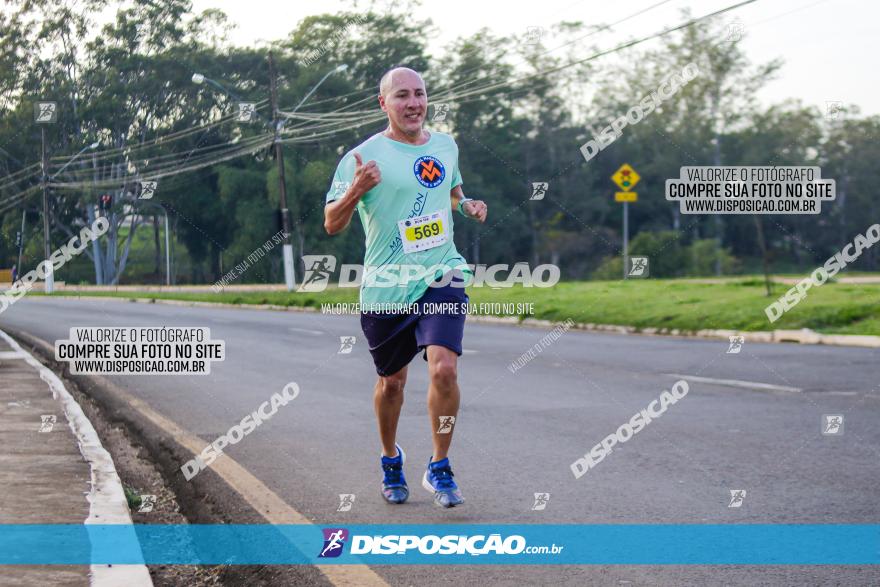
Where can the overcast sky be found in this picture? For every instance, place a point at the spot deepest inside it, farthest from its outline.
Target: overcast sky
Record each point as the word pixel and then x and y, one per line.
pixel 827 45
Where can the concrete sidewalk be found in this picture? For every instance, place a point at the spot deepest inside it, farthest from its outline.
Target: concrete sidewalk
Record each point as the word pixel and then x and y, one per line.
pixel 53 470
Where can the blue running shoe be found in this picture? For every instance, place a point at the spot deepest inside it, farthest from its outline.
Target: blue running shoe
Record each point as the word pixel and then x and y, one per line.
pixel 438 480
pixel 394 488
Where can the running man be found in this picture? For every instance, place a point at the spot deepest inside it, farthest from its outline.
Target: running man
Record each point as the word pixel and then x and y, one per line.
pixel 405 183
pixel 334 542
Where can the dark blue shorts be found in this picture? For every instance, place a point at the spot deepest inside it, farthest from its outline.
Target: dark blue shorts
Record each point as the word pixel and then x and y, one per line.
pixel 395 339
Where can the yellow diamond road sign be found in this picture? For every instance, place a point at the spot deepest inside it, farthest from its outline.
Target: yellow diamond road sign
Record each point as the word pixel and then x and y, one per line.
pixel 626 177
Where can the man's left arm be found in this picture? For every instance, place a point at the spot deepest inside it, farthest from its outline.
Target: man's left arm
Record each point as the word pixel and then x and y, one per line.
pixel 476 209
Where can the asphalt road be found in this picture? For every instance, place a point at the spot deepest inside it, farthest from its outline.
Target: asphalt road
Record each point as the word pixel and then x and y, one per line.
pixel 517 434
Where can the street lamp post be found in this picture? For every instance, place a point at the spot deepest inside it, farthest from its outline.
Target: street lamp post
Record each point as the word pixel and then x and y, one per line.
pixel 277 125
pixel 337 69
pixel 21 238
pixel 91 147
pixel 44 180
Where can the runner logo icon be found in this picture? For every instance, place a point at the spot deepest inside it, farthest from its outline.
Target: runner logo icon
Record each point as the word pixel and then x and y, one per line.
pixel 148 502
pixel 736 498
pixel 539 189
pixel 47 422
pixel 541 500
pixel 346 500
pixel 736 344
pixel 334 540
pixel 832 424
pixel 638 267
pixel 446 424
pixel 346 345
pixel 319 268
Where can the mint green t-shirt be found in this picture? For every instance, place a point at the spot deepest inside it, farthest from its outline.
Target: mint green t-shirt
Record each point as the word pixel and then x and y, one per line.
pixel 416 181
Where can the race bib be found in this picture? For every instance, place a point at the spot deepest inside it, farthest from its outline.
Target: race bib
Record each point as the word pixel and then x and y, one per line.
pixel 423 232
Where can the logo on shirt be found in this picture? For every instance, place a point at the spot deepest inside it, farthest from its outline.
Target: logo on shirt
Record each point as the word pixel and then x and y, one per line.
pixel 429 171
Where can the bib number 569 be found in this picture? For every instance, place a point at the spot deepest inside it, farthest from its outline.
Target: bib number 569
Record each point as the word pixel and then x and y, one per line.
pixel 428 230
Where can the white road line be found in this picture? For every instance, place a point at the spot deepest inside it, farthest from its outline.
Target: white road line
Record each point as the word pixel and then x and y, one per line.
pixel 306 330
pixel 262 499
pixel 265 501
pixel 753 385
pixel 841 393
pixel 107 502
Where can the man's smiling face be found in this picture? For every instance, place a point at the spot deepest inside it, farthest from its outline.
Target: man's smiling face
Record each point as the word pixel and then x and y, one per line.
pixel 404 98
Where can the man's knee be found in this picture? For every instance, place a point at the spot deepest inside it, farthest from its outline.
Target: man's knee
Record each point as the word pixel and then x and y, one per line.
pixel 392 385
pixel 444 370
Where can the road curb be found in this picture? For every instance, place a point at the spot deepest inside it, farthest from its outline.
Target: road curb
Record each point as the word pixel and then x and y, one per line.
pixel 107 502
pixel 266 505
pixel 803 336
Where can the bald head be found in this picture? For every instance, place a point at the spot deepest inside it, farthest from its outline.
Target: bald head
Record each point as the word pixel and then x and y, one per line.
pixel 399 76
pixel 403 98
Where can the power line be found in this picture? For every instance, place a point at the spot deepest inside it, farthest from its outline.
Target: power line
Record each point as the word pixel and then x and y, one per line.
pixel 498 85
pixel 598 30
pixel 18 198
pixel 160 140
pixel 620 47
pixel 477 68
pixel 161 161
pixel 343 123
pixel 257 144
pixel 26 173
pixel 6 183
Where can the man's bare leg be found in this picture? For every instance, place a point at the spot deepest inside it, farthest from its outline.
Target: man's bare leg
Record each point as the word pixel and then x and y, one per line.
pixel 443 396
pixel 388 400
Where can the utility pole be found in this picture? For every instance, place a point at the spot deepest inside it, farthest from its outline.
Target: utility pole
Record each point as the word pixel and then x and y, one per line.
pixel 21 238
pixel 20 242
pixel 289 274
pixel 50 278
pixel 763 244
pixel 167 251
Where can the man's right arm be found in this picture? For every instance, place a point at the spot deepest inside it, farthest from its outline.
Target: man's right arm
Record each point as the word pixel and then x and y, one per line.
pixel 337 214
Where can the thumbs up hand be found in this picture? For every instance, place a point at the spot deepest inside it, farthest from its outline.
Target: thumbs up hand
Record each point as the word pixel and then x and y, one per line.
pixel 366 177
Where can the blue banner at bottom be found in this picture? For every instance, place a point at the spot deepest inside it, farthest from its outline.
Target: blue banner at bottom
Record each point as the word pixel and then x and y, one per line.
pixel 382 544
